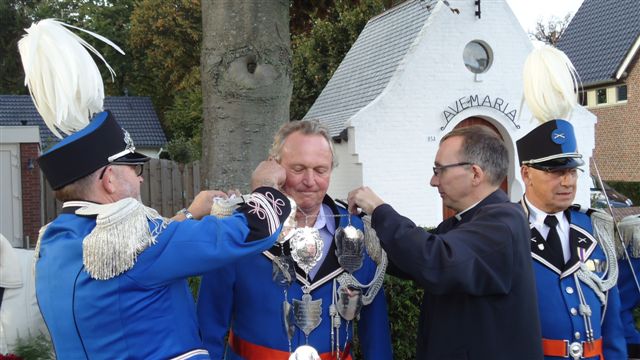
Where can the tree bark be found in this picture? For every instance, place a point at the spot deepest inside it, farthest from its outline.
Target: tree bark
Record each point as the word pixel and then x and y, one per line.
pixel 246 86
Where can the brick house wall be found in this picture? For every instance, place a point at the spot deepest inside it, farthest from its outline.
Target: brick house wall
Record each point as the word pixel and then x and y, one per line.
pixel 30 172
pixel 618 133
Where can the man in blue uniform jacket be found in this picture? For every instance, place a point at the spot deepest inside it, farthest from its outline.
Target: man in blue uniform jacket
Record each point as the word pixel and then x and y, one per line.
pixel 577 316
pixel 575 266
pixel 479 292
pixel 249 299
pixel 111 274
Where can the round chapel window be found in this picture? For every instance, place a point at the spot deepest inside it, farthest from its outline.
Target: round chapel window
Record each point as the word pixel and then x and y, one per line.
pixel 477 57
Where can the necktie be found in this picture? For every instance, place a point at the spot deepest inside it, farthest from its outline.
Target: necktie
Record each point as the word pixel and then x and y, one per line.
pixel 553 242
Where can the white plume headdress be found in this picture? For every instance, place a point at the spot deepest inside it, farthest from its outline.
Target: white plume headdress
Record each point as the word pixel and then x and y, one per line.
pixel 550 84
pixel 64 81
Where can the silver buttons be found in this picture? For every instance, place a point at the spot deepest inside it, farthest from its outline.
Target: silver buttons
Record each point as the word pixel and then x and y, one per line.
pixel 569 290
pixel 574 311
pixel 577 335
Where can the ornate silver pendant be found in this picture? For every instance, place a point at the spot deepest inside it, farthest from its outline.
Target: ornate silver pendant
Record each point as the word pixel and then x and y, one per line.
pixel 306 247
pixel 283 270
pixel 349 248
pixel 305 352
pixel 349 302
pixel 307 313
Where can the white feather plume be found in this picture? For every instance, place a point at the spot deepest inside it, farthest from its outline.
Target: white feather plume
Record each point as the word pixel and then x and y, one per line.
pixel 64 81
pixel 550 84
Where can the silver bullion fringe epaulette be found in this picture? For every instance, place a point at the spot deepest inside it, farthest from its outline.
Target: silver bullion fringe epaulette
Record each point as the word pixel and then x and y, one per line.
pixel 629 228
pixel 122 232
pixel 224 207
pixel 36 251
pixel 603 231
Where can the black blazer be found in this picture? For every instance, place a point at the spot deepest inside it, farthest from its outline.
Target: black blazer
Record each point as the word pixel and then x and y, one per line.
pixel 480 297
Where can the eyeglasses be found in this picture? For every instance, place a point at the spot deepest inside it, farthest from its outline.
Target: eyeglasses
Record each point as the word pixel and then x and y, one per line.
pixel 138 168
pixel 437 170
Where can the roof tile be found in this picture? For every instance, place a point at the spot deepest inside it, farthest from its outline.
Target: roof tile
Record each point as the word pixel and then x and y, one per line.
pixel 134 113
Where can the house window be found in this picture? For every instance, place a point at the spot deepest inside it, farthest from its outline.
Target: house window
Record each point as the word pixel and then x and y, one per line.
pixel 601 96
pixel 621 93
pixel 477 56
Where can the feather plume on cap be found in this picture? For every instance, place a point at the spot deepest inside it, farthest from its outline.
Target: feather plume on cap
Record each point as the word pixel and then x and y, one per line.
pixel 63 80
pixel 550 84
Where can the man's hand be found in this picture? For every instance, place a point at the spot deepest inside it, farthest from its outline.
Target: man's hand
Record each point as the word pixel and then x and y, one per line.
pixel 201 205
pixel 268 173
pixel 365 199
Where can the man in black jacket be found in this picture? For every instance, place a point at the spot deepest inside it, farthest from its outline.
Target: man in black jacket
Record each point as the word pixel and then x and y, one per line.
pixel 480 295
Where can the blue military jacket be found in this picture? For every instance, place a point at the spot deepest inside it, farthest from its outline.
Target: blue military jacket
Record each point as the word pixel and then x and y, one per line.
pixel 243 296
pixel 147 312
pixel 629 300
pixel 559 295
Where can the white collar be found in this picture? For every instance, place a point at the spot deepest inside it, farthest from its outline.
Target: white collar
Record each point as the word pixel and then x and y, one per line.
pixel 459 215
pixel 537 216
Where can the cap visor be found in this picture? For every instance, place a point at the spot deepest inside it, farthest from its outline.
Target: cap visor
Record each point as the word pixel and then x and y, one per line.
pixel 559 164
pixel 132 158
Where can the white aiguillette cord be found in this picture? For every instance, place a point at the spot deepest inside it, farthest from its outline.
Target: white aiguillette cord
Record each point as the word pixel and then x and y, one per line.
pixel 619 237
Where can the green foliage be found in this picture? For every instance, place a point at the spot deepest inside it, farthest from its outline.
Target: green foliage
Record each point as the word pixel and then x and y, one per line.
pixel 165 40
pixel 403 300
pixel 318 52
pixel 403 303
pixel 15 15
pixel 34 348
pixel 184 123
pixel 630 189
pixel 183 150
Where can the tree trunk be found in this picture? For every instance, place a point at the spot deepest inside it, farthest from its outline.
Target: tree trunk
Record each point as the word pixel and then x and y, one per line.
pixel 246 86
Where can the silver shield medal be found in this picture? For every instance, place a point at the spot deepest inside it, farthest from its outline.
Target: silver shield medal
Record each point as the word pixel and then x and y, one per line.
pixel 349 302
pixel 307 313
pixel 350 248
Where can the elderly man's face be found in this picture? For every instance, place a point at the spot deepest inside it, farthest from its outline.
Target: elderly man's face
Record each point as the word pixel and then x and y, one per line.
pixel 307 160
pixel 550 191
pixel 454 183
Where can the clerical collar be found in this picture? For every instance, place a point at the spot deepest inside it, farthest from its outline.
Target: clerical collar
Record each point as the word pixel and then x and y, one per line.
pixel 458 216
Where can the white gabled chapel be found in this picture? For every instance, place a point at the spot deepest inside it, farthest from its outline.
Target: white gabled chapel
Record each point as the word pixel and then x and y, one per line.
pixel 416 72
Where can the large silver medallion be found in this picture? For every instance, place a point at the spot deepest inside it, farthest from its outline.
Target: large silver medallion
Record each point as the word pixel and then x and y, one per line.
pixel 306 247
pixel 349 302
pixel 307 313
pixel 349 248
pixel 305 352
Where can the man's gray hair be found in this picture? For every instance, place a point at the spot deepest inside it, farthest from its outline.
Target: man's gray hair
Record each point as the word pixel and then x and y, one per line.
pixel 483 147
pixel 306 127
pixel 80 189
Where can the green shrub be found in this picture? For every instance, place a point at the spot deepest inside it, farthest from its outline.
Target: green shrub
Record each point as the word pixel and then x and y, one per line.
pixel 403 301
pixel 403 304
